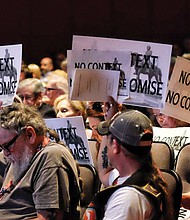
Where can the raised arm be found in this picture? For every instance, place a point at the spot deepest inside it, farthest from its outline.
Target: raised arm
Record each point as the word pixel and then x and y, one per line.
pixel 110 108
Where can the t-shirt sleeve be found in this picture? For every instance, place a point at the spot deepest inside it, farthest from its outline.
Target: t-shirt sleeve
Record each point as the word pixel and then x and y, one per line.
pixel 46 190
pixel 54 177
pixel 51 180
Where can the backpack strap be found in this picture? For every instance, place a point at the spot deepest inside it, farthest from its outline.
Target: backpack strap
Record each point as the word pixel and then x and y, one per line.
pixel 95 210
pixel 154 197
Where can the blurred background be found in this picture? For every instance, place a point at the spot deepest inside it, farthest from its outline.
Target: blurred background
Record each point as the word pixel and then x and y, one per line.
pixel 46 27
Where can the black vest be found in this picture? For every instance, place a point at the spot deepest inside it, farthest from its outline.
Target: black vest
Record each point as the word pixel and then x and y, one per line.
pixel 139 181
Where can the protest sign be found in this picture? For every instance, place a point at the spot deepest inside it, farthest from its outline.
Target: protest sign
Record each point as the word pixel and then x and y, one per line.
pixel 105 68
pixel 178 92
pixel 71 131
pixel 150 64
pixel 10 67
pixel 184 214
pixel 95 85
pixel 174 137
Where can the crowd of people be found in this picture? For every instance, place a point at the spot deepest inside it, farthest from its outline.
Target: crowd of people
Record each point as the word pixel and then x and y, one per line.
pixel 39 177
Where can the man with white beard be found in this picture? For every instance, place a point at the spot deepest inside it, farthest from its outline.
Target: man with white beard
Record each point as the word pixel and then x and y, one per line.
pixel 41 178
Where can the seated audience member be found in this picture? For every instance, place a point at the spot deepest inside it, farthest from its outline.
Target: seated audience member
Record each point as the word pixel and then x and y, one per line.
pixel 3 161
pixel 55 87
pixel 59 58
pixel 120 107
pixel 57 73
pixel 25 73
pixel 46 65
pixel 41 179
pixel 35 69
pixel 67 108
pixel 94 118
pixel 165 121
pixel 30 92
pixel 125 160
pixel 97 106
pixel 176 50
pixel 63 65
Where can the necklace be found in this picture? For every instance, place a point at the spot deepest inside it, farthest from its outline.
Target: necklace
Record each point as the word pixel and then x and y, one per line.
pixel 6 189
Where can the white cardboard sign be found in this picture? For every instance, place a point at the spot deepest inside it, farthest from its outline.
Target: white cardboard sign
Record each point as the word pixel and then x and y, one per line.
pixel 10 67
pixel 150 64
pixel 178 92
pixel 174 137
pixel 99 71
pixel 71 131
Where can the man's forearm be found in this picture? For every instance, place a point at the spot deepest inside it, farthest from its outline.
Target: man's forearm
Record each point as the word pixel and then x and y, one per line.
pixel 48 215
pixel 103 164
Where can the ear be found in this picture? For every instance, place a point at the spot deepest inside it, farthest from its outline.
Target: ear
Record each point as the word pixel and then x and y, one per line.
pixel 116 147
pixel 31 134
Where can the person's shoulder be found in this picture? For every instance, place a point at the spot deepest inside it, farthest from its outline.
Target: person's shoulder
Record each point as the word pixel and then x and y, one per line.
pixel 47 111
pixel 128 198
pixel 55 151
pixel 55 148
pixel 129 193
pixel 60 155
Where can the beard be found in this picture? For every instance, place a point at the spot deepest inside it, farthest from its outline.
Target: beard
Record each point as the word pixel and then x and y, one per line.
pixel 19 167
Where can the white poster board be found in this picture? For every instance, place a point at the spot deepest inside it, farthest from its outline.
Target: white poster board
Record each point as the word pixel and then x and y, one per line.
pixel 178 92
pixel 10 67
pixel 184 214
pixel 71 131
pixel 174 137
pixel 108 69
pixel 150 64
pixel 94 85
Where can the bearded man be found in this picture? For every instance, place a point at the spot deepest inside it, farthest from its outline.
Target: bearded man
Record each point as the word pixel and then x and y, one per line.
pixel 41 178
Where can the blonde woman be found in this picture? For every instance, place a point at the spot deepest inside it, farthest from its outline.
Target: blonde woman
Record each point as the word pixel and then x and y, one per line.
pixel 67 108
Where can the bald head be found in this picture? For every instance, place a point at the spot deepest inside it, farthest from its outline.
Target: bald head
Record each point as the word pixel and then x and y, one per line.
pixel 46 65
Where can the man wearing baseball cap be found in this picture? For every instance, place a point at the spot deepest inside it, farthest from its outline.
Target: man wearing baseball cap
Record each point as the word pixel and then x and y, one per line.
pixel 125 160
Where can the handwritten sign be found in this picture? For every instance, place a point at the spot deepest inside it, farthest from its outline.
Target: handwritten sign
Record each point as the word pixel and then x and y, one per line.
pixel 150 64
pixel 10 67
pixel 71 131
pixel 178 93
pixel 174 137
pixel 103 67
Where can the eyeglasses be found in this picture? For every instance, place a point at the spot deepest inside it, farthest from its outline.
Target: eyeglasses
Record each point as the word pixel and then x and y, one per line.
pixel 49 89
pixel 8 145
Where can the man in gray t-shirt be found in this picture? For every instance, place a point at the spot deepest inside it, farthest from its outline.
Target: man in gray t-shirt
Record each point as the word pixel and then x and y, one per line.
pixel 41 178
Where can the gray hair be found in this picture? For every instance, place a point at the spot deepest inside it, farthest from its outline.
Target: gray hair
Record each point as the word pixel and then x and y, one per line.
pixel 18 116
pixel 34 83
